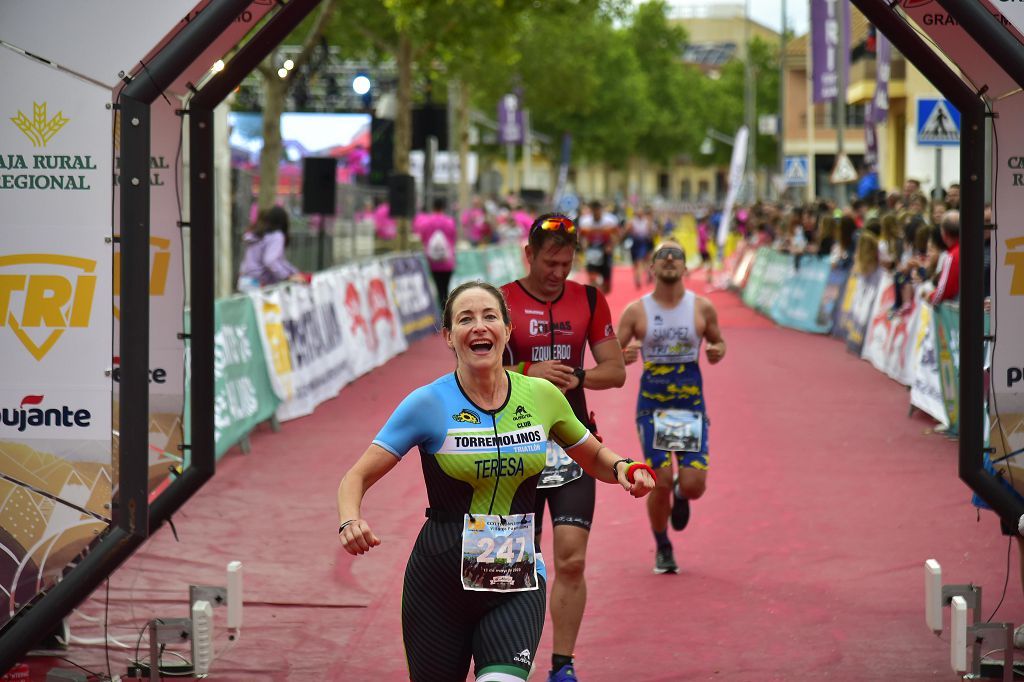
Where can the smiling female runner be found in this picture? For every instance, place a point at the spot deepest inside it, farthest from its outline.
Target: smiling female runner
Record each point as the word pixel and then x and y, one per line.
pixel 474 586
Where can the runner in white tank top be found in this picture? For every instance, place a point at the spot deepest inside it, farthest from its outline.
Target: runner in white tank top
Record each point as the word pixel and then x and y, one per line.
pixel 668 326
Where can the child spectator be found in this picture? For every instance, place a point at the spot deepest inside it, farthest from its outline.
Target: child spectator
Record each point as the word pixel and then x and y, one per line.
pixel 264 262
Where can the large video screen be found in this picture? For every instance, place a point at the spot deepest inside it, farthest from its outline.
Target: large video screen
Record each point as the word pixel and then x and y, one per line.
pixel 344 136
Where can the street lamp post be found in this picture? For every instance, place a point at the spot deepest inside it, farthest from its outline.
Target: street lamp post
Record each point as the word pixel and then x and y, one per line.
pixel 841 51
pixel 782 98
pixel 749 106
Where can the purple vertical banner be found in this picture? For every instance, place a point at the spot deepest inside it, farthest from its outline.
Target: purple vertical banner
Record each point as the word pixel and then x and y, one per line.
pixel 510 120
pixel 883 70
pixel 563 170
pixel 870 141
pixel 825 21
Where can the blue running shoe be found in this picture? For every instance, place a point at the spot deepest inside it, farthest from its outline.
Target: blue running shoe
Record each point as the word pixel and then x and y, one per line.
pixel 564 674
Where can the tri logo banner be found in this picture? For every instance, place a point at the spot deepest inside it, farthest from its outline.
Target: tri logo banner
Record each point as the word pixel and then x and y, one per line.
pixel 56 189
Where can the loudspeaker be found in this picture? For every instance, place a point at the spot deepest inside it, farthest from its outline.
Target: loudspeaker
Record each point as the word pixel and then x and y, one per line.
pixel 382 150
pixel 402 196
pixel 429 120
pixel 318 179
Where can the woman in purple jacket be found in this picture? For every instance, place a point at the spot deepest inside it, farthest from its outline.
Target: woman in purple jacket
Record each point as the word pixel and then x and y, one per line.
pixel 264 261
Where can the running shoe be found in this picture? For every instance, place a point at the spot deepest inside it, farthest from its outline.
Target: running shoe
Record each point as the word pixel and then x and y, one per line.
pixel 680 508
pixel 665 562
pixel 564 674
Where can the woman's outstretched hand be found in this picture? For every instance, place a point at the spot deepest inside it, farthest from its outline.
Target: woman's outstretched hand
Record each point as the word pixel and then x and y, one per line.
pixel 643 479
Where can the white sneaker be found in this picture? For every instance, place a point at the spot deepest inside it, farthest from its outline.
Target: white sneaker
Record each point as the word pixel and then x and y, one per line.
pixel 1018 637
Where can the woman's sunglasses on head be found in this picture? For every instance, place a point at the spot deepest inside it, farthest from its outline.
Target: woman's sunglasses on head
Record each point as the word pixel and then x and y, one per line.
pixel 666 251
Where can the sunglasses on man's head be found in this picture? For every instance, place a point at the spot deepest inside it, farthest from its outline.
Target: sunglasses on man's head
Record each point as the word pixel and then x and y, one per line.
pixel 555 224
pixel 666 251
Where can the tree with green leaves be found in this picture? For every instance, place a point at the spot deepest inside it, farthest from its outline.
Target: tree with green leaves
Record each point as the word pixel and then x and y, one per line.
pixel 275 91
pixel 725 105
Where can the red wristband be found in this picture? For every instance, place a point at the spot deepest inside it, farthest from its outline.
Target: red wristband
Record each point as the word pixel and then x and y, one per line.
pixel 639 465
pixel 526 367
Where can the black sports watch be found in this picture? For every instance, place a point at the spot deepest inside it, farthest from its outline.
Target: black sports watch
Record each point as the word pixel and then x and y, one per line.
pixel 580 374
pixel 615 467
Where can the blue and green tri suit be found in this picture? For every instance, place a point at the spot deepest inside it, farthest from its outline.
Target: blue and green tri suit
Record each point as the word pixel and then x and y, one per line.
pixel 474 461
pixel 671 377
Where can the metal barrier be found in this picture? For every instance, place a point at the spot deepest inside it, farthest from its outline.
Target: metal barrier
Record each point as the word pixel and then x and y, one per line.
pixel 317 242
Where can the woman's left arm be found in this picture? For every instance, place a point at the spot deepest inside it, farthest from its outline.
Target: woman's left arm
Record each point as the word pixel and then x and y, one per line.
pixel 601 462
pixel 596 458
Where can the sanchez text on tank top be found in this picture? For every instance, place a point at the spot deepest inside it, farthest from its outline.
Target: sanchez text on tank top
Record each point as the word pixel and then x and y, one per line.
pixel 671 349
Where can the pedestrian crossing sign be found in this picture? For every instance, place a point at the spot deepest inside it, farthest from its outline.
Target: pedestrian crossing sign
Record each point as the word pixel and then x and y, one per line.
pixel 795 171
pixel 938 123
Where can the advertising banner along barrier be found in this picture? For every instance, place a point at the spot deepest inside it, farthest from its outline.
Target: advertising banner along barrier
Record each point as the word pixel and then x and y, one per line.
pixel 828 310
pixel 799 298
pixel 314 326
pixel 770 270
pixel 242 394
pixel 495 265
pixel 410 286
pixel 947 337
pixel 382 313
pixel 350 288
pixel 274 342
pixel 926 391
pixel 876 335
pixel 864 303
pixel 900 344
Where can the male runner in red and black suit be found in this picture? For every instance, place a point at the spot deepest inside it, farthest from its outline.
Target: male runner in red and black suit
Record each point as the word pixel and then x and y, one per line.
pixel 553 321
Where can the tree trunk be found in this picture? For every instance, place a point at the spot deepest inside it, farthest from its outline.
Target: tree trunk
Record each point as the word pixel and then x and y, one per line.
pixel 403 125
pixel 274 91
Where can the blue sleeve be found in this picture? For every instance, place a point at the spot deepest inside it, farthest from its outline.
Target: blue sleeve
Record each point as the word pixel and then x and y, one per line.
pixel 409 424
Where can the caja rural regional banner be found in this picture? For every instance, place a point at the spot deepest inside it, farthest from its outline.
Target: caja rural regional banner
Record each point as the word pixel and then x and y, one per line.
pixel 55 322
pixel 1007 326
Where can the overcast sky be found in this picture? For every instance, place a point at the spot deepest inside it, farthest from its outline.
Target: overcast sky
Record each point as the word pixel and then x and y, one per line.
pixel 767 12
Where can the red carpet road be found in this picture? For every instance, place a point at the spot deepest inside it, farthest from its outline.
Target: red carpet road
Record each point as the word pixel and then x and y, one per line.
pixel 802 562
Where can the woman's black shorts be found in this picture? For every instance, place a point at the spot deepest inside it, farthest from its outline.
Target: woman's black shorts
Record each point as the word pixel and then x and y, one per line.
pixel 444 626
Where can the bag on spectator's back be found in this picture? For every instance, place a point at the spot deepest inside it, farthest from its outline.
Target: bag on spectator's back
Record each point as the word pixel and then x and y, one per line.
pixel 438 248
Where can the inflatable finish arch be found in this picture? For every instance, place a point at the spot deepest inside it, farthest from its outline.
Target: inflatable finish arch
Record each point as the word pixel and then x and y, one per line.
pixel 200 40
